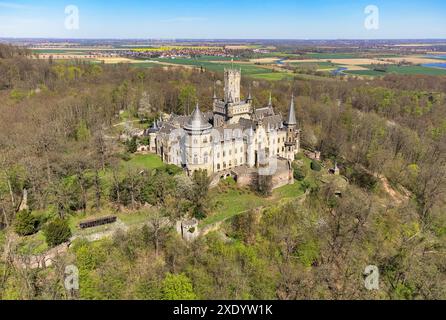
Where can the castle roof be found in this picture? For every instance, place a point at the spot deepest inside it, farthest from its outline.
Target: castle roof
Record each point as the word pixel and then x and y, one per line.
pixel 197 121
pixel 154 128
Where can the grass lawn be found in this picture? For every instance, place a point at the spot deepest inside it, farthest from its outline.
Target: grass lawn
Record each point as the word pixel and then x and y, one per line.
pixel 140 161
pixel 234 201
pixel 231 203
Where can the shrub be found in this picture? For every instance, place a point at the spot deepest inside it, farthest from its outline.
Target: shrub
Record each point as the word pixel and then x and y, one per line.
pixel 57 232
pixel 299 174
pixel 25 223
pixel 132 145
pixel 177 287
pixel 315 166
pixel 125 157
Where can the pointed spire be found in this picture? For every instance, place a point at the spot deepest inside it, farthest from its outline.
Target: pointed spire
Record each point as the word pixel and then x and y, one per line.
pixel 197 121
pixel 270 101
pixel 291 119
pixel 155 126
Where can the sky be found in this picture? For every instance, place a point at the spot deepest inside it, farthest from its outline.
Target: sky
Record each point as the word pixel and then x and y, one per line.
pixel 224 19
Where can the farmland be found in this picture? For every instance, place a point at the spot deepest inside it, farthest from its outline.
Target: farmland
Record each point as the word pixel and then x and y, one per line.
pixel 256 61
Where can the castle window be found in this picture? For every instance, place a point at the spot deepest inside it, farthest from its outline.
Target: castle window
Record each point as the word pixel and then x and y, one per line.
pixel 241 160
pixel 206 156
pixel 218 167
pixel 195 159
pixel 218 155
pixel 235 162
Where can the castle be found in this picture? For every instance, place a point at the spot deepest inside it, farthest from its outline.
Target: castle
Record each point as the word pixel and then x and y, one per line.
pixel 235 139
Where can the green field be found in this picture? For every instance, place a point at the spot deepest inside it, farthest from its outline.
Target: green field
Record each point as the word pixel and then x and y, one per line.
pixel 320 65
pixel 273 76
pixel 333 55
pixel 247 69
pixel 59 51
pixel 404 70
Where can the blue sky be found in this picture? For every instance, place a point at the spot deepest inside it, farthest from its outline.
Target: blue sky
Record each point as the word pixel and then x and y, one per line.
pixel 224 19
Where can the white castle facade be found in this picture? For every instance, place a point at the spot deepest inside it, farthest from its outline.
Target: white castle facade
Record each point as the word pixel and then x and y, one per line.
pixel 236 135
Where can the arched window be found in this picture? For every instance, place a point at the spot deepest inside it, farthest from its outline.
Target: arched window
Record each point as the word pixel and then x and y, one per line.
pixel 218 166
pixel 206 156
pixel 195 159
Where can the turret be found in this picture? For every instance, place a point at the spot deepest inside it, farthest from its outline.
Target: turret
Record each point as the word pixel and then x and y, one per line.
pixel 197 121
pixel 291 118
pixel 270 101
pixel 215 98
pixel 249 100
pixel 198 146
pixel 292 143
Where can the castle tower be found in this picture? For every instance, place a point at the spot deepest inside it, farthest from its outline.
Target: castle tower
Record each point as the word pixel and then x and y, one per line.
pixel 153 132
pixel 198 144
pixel 232 85
pixel 292 144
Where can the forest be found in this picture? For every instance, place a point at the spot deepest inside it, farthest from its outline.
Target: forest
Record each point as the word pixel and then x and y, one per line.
pixel 59 145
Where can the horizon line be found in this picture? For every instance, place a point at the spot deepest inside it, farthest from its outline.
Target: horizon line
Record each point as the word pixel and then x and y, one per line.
pixel 220 39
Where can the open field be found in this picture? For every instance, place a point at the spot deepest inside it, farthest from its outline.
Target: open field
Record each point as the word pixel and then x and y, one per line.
pixel 414 60
pixel 265 60
pixel 273 76
pixel 404 70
